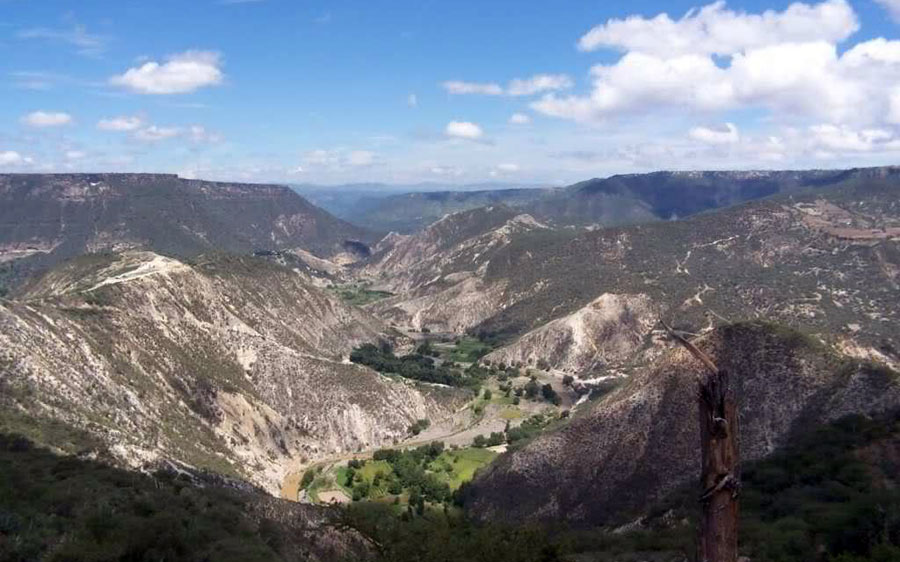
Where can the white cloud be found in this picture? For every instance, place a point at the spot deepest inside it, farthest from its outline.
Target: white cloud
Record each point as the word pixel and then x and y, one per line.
pixel 519 119
pixel 714 29
pixel 78 36
pixel 446 171
pixel 538 83
pixel 516 87
pixel 199 133
pixel 154 133
pixel 336 160
pixel 463 130
pixel 361 158
pixel 893 8
pixel 459 87
pixel 844 139
pixel 412 100
pixel 725 135
pixel 181 73
pixel 785 63
pixel 13 158
pixel 508 167
pixel 75 154
pixel 46 119
pixel 121 123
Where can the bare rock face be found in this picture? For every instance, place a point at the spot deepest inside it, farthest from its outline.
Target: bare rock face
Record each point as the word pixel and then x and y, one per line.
pixel 601 335
pixel 438 274
pixel 230 364
pixel 642 441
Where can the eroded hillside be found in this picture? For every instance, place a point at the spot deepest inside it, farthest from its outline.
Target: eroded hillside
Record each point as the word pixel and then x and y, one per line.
pixel 231 364
pixel 641 442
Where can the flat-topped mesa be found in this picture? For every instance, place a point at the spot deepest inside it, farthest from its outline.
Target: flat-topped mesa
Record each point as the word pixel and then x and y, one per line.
pixel 61 216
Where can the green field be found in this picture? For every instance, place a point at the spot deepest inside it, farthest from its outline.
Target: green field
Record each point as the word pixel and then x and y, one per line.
pixel 458 467
pixel 358 295
pixel 467 350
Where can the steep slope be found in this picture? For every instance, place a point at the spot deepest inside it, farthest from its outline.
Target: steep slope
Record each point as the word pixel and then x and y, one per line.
pixel 826 261
pixel 641 442
pixel 632 198
pixel 46 219
pixel 603 335
pixel 438 273
pixel 231 364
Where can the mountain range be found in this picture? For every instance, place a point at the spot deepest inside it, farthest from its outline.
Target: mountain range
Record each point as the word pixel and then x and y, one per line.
pixel 213 331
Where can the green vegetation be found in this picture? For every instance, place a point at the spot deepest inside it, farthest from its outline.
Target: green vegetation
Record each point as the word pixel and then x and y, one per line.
pixel 417 367
pixel 447 536
pixel 358 295
pixel 468 350
pixel 55 508
pixel 426 475
pixel 419 426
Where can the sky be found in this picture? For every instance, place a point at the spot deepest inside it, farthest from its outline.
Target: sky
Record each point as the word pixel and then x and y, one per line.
pixel 446 91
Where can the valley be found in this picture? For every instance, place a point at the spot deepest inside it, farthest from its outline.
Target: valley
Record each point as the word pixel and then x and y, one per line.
pixel 502 368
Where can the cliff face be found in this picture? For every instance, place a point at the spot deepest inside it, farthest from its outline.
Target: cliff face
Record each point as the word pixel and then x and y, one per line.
pixel 438 273
pixel 642 441
pixel 232 364
pixel 46 219
pixel 602 335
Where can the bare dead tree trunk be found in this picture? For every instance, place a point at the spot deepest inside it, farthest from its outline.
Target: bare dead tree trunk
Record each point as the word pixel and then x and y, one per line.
pixel 720 473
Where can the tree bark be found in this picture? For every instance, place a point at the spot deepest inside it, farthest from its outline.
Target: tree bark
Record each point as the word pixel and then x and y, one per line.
pixel 720 476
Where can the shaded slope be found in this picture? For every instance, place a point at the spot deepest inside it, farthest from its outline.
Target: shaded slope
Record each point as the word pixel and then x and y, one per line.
pixel 46 219
pixel 642 442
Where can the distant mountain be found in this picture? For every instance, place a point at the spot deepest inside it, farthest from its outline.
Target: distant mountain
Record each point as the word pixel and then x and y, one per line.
pixel 409 208
pixel 45 219
pixel 633 198
pixel 410 212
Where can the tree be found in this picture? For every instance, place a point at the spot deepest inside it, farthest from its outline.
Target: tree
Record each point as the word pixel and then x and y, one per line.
pixel 568 380
pixel 550 395
pixel 487 394
pixel 720 460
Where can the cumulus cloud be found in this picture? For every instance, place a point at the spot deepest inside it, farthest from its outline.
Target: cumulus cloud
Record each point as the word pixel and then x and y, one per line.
pixel 12 158
pixel 517 87
pixel 714 29
pixel 46 119
pixel 725 135
pixel 121 123
pixel 787 63
pixel 893 8
pixel 463 130
pixel 181 73
pixel 519 119
pixel 75 154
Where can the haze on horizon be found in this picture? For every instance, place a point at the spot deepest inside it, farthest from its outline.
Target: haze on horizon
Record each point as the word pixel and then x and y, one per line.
pixel 450 93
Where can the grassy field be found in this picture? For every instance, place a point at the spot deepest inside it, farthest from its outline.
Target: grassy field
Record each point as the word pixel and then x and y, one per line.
pixel 458 467
pixel 358 295
pixel 467 350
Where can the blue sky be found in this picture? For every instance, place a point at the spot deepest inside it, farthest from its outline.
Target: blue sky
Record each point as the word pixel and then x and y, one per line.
pixel 401 92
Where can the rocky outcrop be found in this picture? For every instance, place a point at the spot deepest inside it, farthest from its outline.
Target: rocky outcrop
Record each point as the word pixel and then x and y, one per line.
pixel 439 273
pixel 642 441
pixel 231 364
pixel 602 335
